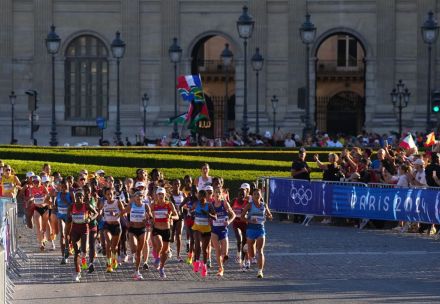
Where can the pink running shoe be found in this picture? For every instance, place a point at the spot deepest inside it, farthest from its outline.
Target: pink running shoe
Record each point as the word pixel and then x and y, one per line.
pixel 204 272
pixel 196 266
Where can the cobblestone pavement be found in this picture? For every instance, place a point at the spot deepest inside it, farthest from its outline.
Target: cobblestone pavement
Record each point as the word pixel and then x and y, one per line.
pixel 303 264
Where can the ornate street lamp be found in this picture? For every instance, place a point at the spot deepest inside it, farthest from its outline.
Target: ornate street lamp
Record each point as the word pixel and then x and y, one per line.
pixel 12 99
pixel 53 42
pixel 257 65
pixel 175 53
pixel 118 51
pixel 400 99
pixel 307 33
pixel 429 30
pixel 226 57
pixel 245 27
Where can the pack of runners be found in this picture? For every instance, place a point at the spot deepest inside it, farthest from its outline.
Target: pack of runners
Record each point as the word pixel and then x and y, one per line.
pixel 127 219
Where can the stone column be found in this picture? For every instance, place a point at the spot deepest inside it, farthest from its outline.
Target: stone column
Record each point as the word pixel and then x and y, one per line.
pixel 170 28
pixel 131 119
pixel 296 61
pixel 258 9
pixel 6 49
pixel 41 79
pixel 420 96
pixel 384 64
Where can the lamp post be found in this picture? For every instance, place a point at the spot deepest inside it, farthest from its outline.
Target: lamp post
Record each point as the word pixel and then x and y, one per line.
pixel 33 106
pixel 307 33
pixel 429 30
pixel 245 26
pixel 12 99
pixel 257 65
pixel 175 53
pixel 274 101
pixel 226 57
pixel 400 99
pixel 118 51
pixel 53 43
pixel 145 100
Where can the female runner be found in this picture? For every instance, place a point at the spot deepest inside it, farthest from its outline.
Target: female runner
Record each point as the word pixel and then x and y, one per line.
pixel 219 232
pixel 256 212
pixel 203 212
pixel 79 215
pixel 139 213
pixel 162 211
pixel 112 209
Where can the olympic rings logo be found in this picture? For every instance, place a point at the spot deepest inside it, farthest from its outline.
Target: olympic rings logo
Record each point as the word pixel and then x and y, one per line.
pixel 301 196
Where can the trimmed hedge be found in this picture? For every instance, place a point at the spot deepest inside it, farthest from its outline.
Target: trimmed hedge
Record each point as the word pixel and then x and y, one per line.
pixel 235 165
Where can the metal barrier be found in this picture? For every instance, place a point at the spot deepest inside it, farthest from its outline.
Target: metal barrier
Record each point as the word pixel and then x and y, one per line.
pixel 11 254
pixel 352 200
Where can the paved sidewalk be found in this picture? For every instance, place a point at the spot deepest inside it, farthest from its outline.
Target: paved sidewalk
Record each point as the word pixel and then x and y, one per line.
pixel 315 264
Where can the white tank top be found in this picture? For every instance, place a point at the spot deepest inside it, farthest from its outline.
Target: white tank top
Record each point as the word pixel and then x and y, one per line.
pixel 178 199
pixel 108 208
pixel 202 183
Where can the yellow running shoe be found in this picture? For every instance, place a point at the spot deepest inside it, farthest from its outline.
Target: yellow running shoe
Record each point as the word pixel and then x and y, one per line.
pixel 114 263
pixel 84 265
pixel 109 268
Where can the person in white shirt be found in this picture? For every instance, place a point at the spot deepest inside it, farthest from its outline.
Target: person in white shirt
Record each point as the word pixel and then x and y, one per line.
pixel 418 177
pixel 289 142
pixel 334 143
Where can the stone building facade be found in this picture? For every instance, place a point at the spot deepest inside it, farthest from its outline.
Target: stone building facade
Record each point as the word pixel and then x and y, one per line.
pixel 362 48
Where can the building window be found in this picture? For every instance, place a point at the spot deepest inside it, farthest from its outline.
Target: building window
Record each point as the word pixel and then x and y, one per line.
pixel 347 51
pixel 86 131
pixel 87 79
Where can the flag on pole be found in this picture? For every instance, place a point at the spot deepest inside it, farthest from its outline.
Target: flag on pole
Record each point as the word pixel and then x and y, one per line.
pixel 430 140
pixel 196 112
pixel 407 142
pixel 190 88
pixel 179 119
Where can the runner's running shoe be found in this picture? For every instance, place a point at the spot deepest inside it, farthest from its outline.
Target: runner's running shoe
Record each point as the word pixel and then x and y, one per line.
pixel 196 266
pixel 91 268
pixel 157 263
pixel 137 276
pixel 162 273
pixel 114 263
pixel 204 272
pixel 109 268
pixel 84 264
pixel 260 274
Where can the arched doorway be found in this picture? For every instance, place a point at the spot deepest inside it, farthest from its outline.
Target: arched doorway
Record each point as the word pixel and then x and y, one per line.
pixel 340 84
pixel 345 111
pixel 218 83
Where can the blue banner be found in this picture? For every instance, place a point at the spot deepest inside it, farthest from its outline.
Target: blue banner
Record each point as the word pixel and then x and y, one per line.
pixel 354 201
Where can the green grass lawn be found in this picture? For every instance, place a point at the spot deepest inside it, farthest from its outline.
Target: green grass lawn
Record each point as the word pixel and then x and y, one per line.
pixel 235 165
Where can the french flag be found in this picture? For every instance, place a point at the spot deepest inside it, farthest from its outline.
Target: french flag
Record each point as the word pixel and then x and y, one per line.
pixel 190 87
pixel 407 143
